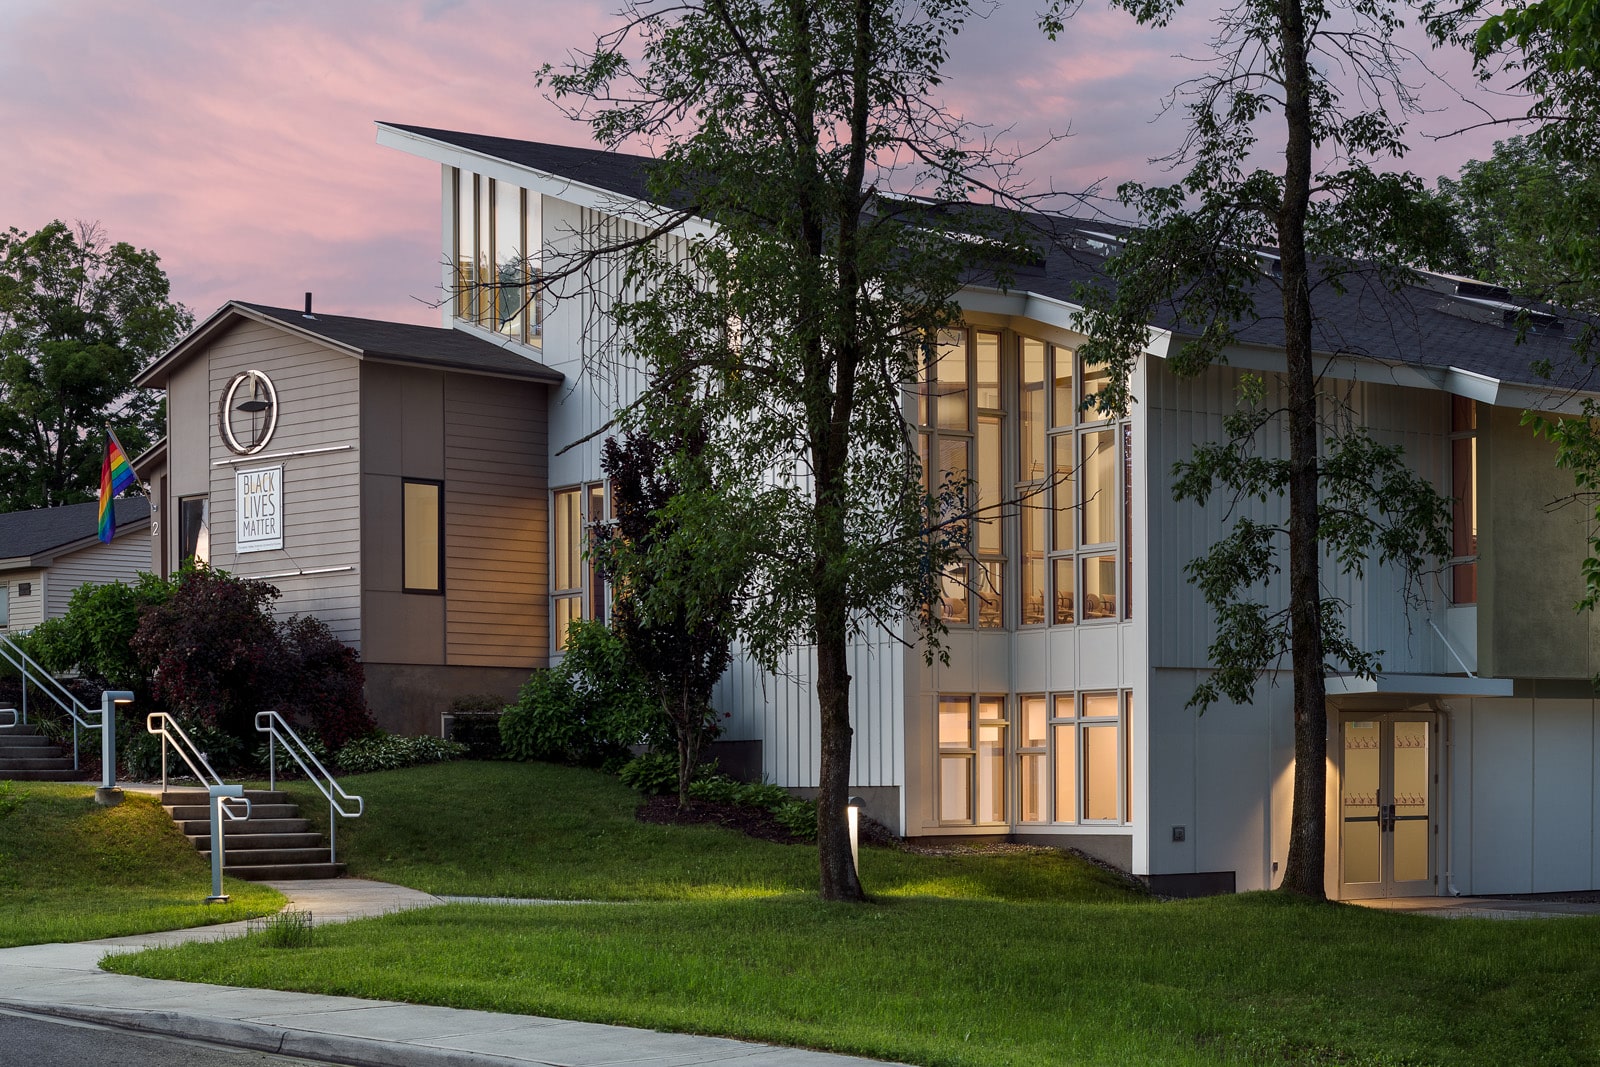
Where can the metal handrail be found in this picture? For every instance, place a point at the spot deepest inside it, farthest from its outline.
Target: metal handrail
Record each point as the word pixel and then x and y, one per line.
pixel 51 686
pixel 169 731
pixel 273 725
pixel 47 682
pixel 11 712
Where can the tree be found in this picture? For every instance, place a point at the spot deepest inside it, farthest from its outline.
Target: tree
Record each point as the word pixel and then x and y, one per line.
pixel 794 327
pixel 1332 221
pixel 675 627
pixel 79 318
pixel 1530 221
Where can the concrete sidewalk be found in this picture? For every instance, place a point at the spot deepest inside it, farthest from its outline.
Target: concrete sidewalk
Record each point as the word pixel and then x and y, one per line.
pixel 65 980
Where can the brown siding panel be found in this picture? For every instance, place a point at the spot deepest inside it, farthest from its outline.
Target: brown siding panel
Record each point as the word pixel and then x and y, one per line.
pixel 496 585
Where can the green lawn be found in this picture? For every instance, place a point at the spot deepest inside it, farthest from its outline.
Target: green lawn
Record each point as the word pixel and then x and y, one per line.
pixel 538 830
pixel 71 870
pixel 1022 959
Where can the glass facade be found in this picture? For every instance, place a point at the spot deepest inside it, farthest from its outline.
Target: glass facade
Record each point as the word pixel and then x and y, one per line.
pixel 1066 752
pixel 1046 480
pixel 497 236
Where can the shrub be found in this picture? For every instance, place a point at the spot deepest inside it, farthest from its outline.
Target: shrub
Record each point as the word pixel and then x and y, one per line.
pixel 652 774
pixel 325 683
pixel 213 650
pixel 389 752
pixel 95 636
pixel 720 789
pixel 799 817
pixel 590 708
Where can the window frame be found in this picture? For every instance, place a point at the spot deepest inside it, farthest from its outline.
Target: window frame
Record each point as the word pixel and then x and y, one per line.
pixel 591 594
pixel 405 539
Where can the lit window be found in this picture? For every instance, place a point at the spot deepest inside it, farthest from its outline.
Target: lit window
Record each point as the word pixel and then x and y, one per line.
pixel 194 531
pixel 422 535
pixel 576 589
pixel 497 234
pixel 972 760
pixel 1464 488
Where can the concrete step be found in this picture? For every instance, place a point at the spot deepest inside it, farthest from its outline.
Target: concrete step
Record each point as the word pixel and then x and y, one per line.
pixel 22 729
pixel 259 842
pixel 202 827
pixel 12 739
pixel 39 763
pixel 68 775
pixel 191 812
pixel 269 857
pixel 198 798
pixel 268 872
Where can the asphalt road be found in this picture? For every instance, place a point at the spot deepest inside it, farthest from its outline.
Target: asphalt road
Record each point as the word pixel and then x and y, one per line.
pixel 32 1041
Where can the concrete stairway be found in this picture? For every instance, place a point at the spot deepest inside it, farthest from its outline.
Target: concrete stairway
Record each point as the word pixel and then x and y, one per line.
pixel 28 756
pixel 273 844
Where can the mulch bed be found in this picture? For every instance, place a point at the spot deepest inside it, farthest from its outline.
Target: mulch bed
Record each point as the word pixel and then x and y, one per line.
pixel 753 822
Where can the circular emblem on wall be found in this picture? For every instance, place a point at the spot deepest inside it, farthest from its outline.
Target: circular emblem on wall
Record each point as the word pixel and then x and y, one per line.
pixel 248 413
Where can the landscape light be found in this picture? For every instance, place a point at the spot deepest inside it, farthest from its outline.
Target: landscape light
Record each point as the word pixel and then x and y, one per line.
pixel 108 794
pixel 853 808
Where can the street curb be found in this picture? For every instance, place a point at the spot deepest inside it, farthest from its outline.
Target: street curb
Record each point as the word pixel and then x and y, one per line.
pixel 263 1037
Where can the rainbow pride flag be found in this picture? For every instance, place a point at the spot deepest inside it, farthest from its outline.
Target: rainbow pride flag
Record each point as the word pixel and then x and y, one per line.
pixel 116 474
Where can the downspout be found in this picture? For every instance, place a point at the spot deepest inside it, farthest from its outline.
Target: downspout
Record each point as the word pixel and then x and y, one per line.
pixel 1447 717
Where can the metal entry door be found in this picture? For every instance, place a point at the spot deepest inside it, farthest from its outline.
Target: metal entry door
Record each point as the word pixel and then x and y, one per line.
pixel 1387 811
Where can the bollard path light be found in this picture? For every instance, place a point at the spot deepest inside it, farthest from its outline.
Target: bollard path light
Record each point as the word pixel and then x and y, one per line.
pixel 108 744
pixel 853 808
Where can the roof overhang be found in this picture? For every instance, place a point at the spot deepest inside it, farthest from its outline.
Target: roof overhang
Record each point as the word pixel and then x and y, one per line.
pixel 1416 686
pixel 44 559
pixel 554 185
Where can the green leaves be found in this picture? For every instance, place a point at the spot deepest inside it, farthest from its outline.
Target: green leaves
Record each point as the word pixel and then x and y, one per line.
pixel 79 318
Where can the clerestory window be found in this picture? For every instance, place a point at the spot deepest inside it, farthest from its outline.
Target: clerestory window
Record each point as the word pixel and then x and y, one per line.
pixel 497 238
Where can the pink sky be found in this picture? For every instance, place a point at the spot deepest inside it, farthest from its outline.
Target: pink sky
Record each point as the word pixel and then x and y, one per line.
pixel 236 139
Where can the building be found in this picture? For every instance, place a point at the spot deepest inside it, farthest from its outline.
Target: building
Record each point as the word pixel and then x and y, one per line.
pixel 47 553
pixel 1472 764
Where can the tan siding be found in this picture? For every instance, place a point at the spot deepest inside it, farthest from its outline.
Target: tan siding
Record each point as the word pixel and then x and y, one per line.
pixel 25 612
pixel 120 561
pixel 319 407
pixel 496 580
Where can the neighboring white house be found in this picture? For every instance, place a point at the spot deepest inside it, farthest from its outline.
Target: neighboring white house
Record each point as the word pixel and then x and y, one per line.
pixel 47 553
pixel 1471 765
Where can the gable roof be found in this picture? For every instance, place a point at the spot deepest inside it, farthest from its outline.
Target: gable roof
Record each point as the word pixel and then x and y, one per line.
pixel 34 538
pixel 374 339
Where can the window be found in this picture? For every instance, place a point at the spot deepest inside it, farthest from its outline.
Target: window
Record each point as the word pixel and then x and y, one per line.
pixel 1069 755
pixel 194 531
pixel 5 605
pixel 961 394
pixel 24 589
pixel 577 591
pixel 972 759
pixel 1464 488
pixel 422 534
pixel 497 235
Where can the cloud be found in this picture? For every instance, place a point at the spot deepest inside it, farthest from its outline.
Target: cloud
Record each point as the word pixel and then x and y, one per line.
pixel 237 140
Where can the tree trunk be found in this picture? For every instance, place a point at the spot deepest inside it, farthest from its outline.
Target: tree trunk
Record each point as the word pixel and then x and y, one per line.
pixel 838 869
pixel 1303 871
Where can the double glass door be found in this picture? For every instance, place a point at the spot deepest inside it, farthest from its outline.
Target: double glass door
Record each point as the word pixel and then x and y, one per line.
pixel 1387 806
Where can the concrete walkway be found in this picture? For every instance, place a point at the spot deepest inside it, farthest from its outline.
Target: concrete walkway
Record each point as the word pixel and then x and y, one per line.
pixel 65 980
pixel 1484 907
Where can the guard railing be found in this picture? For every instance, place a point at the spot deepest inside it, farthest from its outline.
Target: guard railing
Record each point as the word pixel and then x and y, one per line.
pixel 340 803
pixel 82 715
pixel 166 727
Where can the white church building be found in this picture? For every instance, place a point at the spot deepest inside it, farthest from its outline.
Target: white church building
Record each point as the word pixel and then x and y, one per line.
pixel 426 491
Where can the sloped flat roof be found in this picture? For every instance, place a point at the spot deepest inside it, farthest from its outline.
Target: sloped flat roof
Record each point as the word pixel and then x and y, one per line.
pixel 42 532
pixel 375 339
pixel 1417 326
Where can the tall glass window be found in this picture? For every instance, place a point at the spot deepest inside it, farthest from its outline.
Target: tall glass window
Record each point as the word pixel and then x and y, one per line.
pixel 566 571
pixel 1464 488
pixel 422 534
pixel 497 239
pixel 972 759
